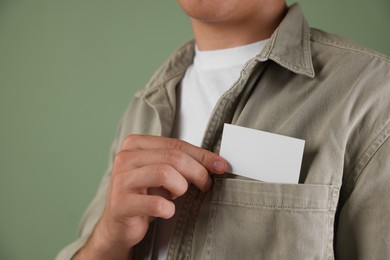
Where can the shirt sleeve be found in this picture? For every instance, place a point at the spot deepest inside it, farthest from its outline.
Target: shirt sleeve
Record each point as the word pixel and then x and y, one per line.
pixel 363 230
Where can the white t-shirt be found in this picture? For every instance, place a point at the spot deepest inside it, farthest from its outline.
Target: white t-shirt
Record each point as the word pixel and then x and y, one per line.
pixel 205 81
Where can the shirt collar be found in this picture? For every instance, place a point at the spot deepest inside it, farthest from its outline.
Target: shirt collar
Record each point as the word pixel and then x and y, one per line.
pixel 289 45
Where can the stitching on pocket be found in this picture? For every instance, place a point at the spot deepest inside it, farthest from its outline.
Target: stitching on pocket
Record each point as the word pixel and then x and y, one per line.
pixel 254 205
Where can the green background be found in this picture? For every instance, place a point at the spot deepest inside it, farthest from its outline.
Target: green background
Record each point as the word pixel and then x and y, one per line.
pixel 67 71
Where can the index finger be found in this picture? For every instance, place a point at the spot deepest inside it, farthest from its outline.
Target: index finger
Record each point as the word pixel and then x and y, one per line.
pixel 211 161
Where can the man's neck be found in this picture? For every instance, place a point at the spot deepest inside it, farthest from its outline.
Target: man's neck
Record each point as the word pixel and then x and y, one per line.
pixel 222 35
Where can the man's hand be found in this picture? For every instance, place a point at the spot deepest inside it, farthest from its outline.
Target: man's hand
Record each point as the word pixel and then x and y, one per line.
pixel 148 173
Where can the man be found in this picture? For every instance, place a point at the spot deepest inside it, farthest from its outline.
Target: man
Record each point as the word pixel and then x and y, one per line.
pixel 164 198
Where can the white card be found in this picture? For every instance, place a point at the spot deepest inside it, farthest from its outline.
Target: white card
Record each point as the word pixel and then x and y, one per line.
pixel 261 155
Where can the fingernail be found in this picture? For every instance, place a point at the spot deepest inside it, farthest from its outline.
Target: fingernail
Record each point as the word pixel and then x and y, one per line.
pixel 219 166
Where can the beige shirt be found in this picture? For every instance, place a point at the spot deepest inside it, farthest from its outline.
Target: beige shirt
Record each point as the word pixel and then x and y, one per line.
pixel 306 84
pixel 210 75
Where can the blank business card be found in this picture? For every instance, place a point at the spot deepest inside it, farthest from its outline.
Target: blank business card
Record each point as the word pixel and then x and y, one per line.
pixel 262 155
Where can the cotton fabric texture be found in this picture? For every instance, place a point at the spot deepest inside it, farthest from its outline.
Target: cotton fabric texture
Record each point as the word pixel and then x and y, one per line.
pixel 307 84
pixel 210 75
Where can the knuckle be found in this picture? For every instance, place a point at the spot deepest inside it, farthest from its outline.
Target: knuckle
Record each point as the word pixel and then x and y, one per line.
pixel 202 175
pixel 120 158
pixel 157 206
pixel 131 139
pixel 203 157
pixel 173 156
pixel 162 172
pixel 124 159
pixel 176 144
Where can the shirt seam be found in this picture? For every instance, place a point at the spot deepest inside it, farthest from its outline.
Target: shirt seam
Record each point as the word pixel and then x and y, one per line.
pixel 306 68
pixel 292 67
pixel 152 89
pixel 364 160
pixel 269 206
pixel 348 46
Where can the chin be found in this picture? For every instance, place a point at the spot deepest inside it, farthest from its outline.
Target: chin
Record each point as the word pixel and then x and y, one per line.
pixel 209 10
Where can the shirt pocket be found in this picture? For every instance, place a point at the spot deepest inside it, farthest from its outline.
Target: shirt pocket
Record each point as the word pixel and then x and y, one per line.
pixel 257 220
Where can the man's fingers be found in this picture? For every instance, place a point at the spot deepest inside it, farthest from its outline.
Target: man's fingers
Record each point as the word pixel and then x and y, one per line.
pixel 188 167
pixel 157 175
pixel 211 161
pixel 146 205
